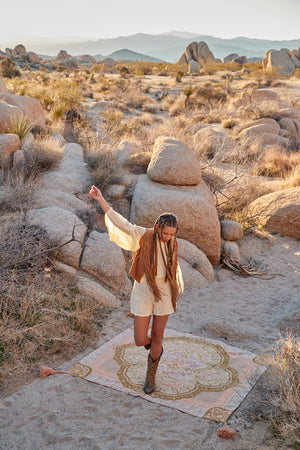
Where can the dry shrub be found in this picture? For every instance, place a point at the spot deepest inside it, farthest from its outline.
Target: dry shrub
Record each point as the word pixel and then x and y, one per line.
pixel 277 163
pixel 41 155
pixel 230 123
pixel 104 167
pixel 178 106
pixel 293 179
pixel 138 163
pixel 150 107
pixel 16 195
pixel 285 370
pixel 43 316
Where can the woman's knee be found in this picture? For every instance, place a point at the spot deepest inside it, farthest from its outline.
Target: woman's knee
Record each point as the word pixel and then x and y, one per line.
pixel 140 341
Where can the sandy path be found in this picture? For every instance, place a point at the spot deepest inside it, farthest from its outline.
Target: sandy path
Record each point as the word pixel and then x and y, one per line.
pixel 61 412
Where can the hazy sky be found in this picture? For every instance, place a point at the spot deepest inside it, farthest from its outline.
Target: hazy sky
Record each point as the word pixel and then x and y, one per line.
pixel 95 19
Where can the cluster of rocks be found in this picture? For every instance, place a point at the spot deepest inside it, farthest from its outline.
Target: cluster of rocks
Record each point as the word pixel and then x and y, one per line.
pixel 285 61
pixel 234 57
pixel 19 53
pixel 196 55
pixel 13 109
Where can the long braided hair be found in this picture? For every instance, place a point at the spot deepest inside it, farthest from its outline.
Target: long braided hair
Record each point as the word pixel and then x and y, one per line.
pixel 169 220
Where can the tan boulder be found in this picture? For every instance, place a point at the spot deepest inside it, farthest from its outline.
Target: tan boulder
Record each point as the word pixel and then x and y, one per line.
pixel 9 143
pixel 263 95
pixel 104 260
pixel 295 61
pixel 32 57
pixel 2 85
pixel 30 107
pixel 20 49
pixel 231 230
pixel 95 290
pixel 261 140
pixel 173 162
pixel 125 150
pixel 208 141
pixel 191 277
pixel 279 212
pixel 258 129
pixel 292 113
pixel 61 225
pixel 11 53
pixel 8 115
pixel 297 53
pixel 194 67
pixel 193 205
pixel 63 55
pixel 230 57
pixel 197 51
pixel 87 59
pixel 196 258
pixel 292 126
pixel 18 161
pixel 71 63
pixel 230 250
pixel 281 61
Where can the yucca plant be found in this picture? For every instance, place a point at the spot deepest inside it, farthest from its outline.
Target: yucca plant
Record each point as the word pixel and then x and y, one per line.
pixel 21 126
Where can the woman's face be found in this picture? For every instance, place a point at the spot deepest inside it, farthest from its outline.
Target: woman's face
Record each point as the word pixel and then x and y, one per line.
pixel 165 233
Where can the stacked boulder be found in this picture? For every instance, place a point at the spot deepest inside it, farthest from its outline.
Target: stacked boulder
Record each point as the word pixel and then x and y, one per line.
pixel 285 61
pixel 173 183
pixel 15 108
pixel 196 54
pixel 231 232
pixel 19 53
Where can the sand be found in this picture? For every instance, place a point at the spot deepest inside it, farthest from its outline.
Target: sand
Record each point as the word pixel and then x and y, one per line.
pixel 62 412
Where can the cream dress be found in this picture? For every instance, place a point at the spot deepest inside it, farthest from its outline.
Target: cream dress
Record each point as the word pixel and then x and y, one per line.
pixel 142 302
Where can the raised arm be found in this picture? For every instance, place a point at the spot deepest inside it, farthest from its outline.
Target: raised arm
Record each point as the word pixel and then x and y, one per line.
pixel 97 195
pixel 120 230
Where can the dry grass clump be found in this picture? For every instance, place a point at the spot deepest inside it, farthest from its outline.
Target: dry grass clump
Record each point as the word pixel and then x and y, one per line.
pixel 41 155
pixel 277 163
pixel 285 370
pixel 103 166
pixel 42 316
pixel 16 195
pixel 230 123
pixel 138 163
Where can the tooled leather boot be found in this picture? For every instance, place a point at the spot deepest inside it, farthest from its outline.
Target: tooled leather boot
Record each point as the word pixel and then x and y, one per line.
pixel 152 366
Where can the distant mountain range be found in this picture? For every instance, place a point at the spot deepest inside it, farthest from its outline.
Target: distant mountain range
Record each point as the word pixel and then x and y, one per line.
pixel 167 47
pixel 128 55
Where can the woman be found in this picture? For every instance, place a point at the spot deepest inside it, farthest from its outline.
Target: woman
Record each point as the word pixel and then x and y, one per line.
pixel 157 276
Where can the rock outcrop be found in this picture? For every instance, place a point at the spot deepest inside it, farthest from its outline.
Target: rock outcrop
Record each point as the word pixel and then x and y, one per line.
pixel 282 60
pixel 278 212
pixel 9 143
pixel 173 162
pixel 197 51
pixel 20 105
pixel 193 205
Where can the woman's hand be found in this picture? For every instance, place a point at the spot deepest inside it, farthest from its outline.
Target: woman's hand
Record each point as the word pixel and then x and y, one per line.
pixel 95 193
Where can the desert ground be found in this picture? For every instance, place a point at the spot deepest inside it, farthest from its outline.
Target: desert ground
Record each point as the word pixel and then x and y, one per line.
pixel 253 313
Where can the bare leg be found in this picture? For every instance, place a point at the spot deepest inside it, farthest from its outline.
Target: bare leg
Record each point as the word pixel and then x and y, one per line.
pixel 157 334
pixel 141 326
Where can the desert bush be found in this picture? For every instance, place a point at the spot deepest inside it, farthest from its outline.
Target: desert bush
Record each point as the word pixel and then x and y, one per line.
pixel 16 195
pixel 277 163
pixel 103 166
pixel 285 379
pixel 178 106
pixel 21 126
pixel 8 68
pixel 138 163
pixel 293 178
pixel 229 123
pixel 41 155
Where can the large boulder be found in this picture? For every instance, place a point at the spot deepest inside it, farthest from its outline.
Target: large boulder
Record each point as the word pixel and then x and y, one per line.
pixel 196 258
pixel 292 126
pixel 87 59
pixel 192 278
pixel 125 150
pixel 194 67
pixel 61 226
pixel 32 57
pixel 197 51
pixel 279 212
pixel 263 95
pixel 281 61
pixel 20 49
pixel 193 205
pixel 30 107
pixel 2 85
pixel 104 260
pixel 9 143
pixel 231 230
pixel 230 57
pixel 173 162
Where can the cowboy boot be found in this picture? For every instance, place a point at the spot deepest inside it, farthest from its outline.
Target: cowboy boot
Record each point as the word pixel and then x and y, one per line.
pixel 152 366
